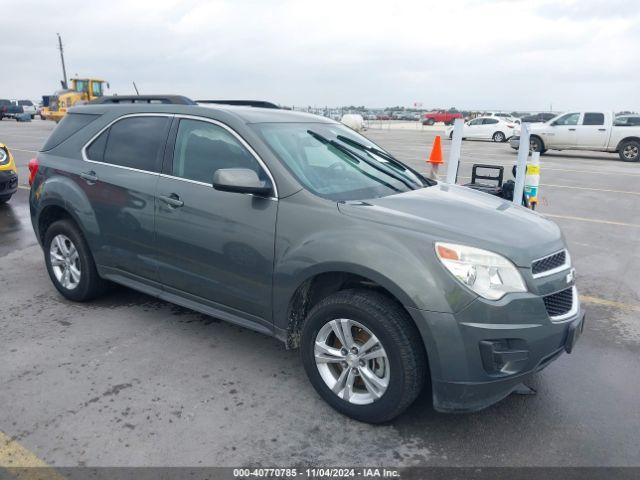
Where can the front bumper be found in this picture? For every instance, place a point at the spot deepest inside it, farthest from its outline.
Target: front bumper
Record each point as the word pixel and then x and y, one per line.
pixel 8 182
pixel 480 355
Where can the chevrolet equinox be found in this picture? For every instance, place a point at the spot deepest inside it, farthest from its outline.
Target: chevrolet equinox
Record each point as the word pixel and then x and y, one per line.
pixel 298 227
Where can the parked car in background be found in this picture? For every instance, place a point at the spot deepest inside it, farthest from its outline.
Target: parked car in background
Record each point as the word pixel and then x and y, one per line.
pixel 505 116
pixel 383 116
pixel 27 107
pixel 8 174
pixel 538 117
pixel 9 109
pixel 486 128
pixel 593 131
pixel 431 118
pixel 298 227
pixel 627 121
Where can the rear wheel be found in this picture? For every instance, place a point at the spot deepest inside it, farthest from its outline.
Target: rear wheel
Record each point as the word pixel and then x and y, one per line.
pixel 69 262
pixel 430 121
pixel 363 355
pixel 630 151
pixel 499 137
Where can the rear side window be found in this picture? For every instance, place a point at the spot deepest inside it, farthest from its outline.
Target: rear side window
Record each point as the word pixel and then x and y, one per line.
pixel 70 124
pixel 627 122
pixel 134 142
pixel 490 121
pixel 593 119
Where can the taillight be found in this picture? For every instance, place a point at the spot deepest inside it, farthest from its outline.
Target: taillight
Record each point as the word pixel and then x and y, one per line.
pixel 33 169
pixel 510 126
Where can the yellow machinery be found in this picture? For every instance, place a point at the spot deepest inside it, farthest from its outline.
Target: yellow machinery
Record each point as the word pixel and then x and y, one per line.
pixel 82 90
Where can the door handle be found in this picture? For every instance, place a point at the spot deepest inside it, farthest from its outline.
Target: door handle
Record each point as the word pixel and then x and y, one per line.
pixel 90 177
pixel 602 129
pixel 172 200
pixel 572 129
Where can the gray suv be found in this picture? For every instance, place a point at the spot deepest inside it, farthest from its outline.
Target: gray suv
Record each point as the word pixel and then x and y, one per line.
pixel 297 227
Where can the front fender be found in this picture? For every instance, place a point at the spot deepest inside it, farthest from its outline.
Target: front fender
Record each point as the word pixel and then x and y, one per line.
pixel 311 241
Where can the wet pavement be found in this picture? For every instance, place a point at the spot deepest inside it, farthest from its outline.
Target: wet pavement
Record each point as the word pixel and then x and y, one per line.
pixel 130 380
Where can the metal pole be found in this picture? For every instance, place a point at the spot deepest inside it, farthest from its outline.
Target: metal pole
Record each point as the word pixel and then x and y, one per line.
pixel 64 69
pixel 454 151
pixel 521 165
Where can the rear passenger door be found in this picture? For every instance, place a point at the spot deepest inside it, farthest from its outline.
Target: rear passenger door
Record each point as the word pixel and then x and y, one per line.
pixel 592 134
pixel 214 247
pixel 489 128
pixel 121 170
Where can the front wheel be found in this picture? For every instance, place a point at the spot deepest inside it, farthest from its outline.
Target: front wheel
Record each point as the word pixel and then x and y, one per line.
pixel 499 137
pixel 4 198
pixel 536 145
pixel 630 151
pixel 69 262
pixel 363 355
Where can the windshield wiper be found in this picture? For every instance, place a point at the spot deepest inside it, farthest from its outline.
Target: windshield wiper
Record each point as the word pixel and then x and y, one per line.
pixel 351 155
pixel 375 164
pixel 385 155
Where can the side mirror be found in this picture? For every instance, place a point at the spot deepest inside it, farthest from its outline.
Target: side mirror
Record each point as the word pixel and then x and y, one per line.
pixel 241 180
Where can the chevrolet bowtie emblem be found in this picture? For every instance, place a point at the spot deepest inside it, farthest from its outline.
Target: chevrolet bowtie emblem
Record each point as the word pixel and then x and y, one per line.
pixel 571 276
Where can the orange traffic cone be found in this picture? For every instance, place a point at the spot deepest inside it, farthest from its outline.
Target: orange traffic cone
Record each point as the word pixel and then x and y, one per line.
pixel 435 159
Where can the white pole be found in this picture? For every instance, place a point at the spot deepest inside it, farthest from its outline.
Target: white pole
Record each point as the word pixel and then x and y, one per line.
pixel 454 151
pixel 521 165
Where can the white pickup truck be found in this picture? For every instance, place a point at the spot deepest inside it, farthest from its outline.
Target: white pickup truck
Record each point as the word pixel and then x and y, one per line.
pixel 595 131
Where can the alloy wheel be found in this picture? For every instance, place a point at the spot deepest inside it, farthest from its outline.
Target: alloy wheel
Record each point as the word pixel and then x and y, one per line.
pixel 352 361
pixel 65 261
pixel 630 152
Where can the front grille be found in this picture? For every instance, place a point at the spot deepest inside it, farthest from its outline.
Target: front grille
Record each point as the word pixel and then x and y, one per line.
pixel 560 303
pixel 549 263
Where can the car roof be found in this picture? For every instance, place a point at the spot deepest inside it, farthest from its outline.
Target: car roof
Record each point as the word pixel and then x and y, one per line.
pixel 242 113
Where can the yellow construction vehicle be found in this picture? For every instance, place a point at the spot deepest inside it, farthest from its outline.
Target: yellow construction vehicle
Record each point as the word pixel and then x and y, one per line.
pixel 82 90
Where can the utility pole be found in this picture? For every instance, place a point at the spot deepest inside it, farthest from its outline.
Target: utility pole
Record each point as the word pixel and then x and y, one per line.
pixel 64 69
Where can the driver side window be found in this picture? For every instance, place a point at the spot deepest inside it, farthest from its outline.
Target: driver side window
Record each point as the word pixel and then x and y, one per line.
pixel 568 119
pixel 477 121
pixel 203 147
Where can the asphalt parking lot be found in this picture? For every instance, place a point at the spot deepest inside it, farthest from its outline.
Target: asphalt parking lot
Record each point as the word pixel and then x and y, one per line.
pixel 129 380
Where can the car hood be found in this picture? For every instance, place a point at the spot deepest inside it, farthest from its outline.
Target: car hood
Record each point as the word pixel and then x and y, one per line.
pixel 453 213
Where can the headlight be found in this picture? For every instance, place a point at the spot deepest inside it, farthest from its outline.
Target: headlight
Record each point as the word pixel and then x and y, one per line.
pixel 488 274
pixel 4 156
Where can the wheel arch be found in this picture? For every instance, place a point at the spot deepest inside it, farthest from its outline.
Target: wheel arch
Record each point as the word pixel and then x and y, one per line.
pixel 317 284
pixel 626 139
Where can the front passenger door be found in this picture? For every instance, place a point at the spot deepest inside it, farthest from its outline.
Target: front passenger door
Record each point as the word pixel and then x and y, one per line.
pixel 563 132
pixel 215 247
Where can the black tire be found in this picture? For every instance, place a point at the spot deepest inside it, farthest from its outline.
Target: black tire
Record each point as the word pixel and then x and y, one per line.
pixel 629 151
pixel 499 137
pixel 451 136
pixel 90 285
pixel 399 337
pixel 536 145
pixel 4 199
pixel 430 121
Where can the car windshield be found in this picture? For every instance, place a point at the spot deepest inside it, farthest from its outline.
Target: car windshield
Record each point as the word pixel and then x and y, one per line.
pixel 333 161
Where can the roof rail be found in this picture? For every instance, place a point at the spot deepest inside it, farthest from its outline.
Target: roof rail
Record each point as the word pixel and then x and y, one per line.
pixel 163 99
pixel 246 103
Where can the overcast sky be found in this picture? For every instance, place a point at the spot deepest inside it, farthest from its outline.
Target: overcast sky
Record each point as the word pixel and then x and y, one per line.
pixel 500 54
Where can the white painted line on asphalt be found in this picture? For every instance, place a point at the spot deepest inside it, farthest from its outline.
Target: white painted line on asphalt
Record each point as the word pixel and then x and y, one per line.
pixel 591 220
pixel 606 190
pixel 23 150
